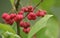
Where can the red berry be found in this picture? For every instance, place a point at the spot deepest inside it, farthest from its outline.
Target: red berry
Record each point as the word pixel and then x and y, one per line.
pixel 41 13
pixel 21 12
pixel 22 24
pixel 26 24
pixel 26 30
pixel 38 13
pixel 30 9
pixel 24 9
pixel 7 17
pixel 12 15
pixel 4 15
pixel 45 11
pixel 18 17
pixel 9 22
pixel 31 16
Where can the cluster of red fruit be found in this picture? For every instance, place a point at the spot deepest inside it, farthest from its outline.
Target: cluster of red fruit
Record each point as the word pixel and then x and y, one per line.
pixel 10 18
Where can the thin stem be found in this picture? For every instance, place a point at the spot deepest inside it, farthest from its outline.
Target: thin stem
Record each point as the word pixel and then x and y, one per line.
pixel 35 7
pixel 26 15
pixel 38 4
pixel 17 5
pixel 18 27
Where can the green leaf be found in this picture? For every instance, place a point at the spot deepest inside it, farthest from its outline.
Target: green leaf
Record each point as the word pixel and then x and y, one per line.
pixel 41 33
pixel 10 35
pixel 23 35
pixel 50 31
pixel 5 27
pixel 1 31
pixel 39 25
pixel 53 28
pixel 14 26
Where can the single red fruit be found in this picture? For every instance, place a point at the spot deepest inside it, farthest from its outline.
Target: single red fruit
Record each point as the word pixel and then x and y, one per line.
pixel 9 22
pixel 7 17
pixel 22 24
pixel 26 30
pixel 18 17
pixel 26 24
pixel 41 13
pixel 31 16
pixel 21 12
pixel 30 9
pixel 45 11
pixel 25 9
pixel 12 15
pixel 4 15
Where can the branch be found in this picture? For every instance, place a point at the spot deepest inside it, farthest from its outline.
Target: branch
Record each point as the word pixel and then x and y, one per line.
pixel 26 15
pixel 18 27
pixel 38 4
pixel 17 5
